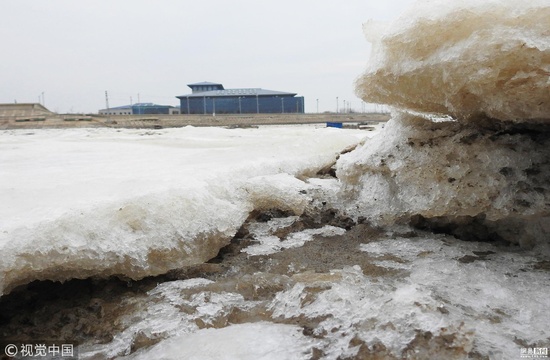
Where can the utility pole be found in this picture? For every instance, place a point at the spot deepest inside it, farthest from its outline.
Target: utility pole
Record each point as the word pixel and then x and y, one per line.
pixel 107 101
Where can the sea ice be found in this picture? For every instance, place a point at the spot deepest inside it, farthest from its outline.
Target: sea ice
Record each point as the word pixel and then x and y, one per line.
pixel 236 342
pixel 482 172
pixel 482 305
pixel 269 244
pixel 466 152
pixel 99 202
pixel 475 183
pixel 445 298
pixel 464 58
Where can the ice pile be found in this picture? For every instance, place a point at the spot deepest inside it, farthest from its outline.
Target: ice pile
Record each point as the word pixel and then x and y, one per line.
pixel 467 151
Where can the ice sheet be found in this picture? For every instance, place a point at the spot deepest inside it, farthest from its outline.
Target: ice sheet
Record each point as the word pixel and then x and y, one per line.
pixel 83 202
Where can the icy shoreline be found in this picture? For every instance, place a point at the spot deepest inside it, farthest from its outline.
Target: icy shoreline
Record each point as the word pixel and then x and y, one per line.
pixel 428 241
pixel 300 269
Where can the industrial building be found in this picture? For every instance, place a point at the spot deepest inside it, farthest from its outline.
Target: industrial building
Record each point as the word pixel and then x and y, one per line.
pixel 212 98
pixel 24 110
pixel 140 109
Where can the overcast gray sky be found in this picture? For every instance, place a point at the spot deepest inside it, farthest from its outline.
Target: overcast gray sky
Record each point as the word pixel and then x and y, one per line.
pixel 67 53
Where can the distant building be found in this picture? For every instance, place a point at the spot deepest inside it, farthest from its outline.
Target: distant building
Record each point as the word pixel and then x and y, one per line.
pixel 140 109
pixel 212 98
pixel 23 109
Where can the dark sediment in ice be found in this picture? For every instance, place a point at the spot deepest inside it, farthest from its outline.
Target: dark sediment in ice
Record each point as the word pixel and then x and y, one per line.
pixel 475 182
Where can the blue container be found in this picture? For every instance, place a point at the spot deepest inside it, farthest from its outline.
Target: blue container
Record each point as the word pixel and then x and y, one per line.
pixel 335 125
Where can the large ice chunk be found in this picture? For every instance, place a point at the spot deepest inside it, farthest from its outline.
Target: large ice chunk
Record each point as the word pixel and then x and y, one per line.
pixel 481 170
pixel 475 183
pixel 463 58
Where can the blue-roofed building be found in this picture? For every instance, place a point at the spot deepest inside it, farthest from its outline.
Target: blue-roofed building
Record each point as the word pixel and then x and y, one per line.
pixel 213 98
pixel 140 109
